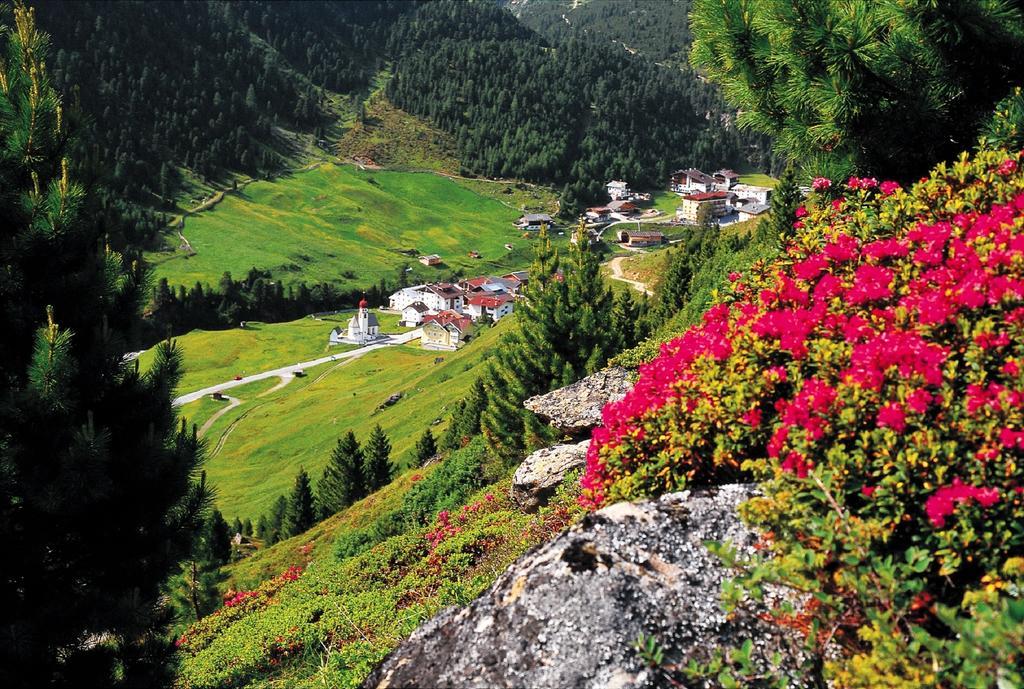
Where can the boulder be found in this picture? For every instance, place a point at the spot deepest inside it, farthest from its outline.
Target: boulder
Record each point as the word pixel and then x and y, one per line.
pixel 567 613
pixel 576 409
pixel 537 478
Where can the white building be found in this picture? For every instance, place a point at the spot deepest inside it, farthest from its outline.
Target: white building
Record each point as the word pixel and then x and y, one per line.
pixel 761 195
pixel 412 315
pixel 496 306
pixel 442 296
pixel 752 210
pixel 691 181
pixel 618 190
pixel 363 328
pixel 405 296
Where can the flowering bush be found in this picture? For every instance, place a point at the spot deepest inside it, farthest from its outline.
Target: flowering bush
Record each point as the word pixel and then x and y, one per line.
pixel 871 379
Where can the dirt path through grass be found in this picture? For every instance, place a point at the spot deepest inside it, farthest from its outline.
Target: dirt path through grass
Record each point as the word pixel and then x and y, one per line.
pixel 616 265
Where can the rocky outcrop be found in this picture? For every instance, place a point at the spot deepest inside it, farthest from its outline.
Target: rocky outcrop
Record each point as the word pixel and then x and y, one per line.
pixel 567 613
pixel 537 478
pixel 577 408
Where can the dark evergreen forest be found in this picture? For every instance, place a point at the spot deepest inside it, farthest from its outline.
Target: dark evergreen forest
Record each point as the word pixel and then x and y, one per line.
pixel 205 87
pixel 575 112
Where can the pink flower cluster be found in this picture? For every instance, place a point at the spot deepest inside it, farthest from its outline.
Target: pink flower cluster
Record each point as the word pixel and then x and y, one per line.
pixel 874 310
pixel 943 502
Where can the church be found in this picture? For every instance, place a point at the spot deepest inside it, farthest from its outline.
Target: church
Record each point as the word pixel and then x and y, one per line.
pixel 363 328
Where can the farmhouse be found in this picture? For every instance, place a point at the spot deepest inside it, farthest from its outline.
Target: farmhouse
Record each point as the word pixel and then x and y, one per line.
pixel 532 222
pixel 623 209
pixel 430 260
pixel 412 315
pixel 752 210
pixel 641 237
pixel 464 322
pixel 689 181
pixel 517 279
pixel 598 214
pixel 693 205
pixel 494 306
pixel 442 296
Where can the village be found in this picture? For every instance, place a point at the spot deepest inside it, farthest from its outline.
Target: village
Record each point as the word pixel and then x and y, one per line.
pixel 719 198
pixel 447 312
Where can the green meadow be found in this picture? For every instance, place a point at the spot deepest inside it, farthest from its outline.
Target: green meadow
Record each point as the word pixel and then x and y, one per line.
pixel 216 356
pixel 337 223
pixel 256 448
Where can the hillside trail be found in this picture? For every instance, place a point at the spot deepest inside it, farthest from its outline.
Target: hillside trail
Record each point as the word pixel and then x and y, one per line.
pixel 232 403
pixel 616 265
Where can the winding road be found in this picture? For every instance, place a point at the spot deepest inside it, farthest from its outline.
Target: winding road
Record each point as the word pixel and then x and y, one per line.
pixel 286 373
pixel 616 265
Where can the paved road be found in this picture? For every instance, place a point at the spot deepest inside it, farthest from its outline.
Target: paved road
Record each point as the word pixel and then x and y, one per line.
pixel 288 371
pixel 616 265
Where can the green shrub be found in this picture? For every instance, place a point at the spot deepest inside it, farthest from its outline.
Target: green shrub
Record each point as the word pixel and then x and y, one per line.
pixel 873 379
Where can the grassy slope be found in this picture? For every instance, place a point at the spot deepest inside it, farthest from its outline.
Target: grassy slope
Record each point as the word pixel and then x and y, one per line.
pixel 216 356
pixel 317 224
pixel 270 438
pixel 340 618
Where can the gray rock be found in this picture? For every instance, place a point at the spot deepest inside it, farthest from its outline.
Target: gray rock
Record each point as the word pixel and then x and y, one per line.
pixel 576 408
pixel 537 478
pixel 568 612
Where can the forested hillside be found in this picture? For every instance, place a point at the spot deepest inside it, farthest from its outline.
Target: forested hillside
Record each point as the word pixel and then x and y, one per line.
pixel 571 111
pixel 173 88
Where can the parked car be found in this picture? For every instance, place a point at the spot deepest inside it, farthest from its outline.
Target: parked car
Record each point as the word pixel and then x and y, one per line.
pixel 299 373
pixel 217 395
pixel 237 377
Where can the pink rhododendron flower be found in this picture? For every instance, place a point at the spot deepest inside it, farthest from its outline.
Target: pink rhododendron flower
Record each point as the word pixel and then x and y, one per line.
pixel 821 183
pixel 752 418
pixel 842 248
pixel 811 267
pixel 1011 368
pixel 889 187
pixel 795 463
pixel 892 416
pixel 870 283
pixel 868 491
pixel 918 401
pixel 942 503
pixel 801 212
pixel 1007 167
pixel 734 276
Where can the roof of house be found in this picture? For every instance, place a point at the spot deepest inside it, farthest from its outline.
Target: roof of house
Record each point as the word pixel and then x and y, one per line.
pixel 696 174
pixel 755 208
pixel 707 196
pixel 429 256
pixel 644 234
pixel 536 217
pixel 518 275
pixel 728 174
pixel 622 206
pixel 617 183
pixel 418 306
pixel 490 301
pixel 448 317
pixel 444 289
pixel 740 188
pixel 598 209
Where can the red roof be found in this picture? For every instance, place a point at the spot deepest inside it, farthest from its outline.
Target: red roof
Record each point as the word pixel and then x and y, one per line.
pixel 490 301
pixel 446 317
pixel 477 281
pixel 707 196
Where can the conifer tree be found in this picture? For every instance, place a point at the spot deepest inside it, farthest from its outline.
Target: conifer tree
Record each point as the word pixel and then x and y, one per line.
pixel 275 531
pixel 217 535
pixel 625 320
pixel 263 529
pixel 426 448
pixel 786 198
pixel 236 526
pixel 300 514
pixel 100 498
pixel 343 481
pixel 377 467
pixel 247 527
pixel 674 289
pixel 588 309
